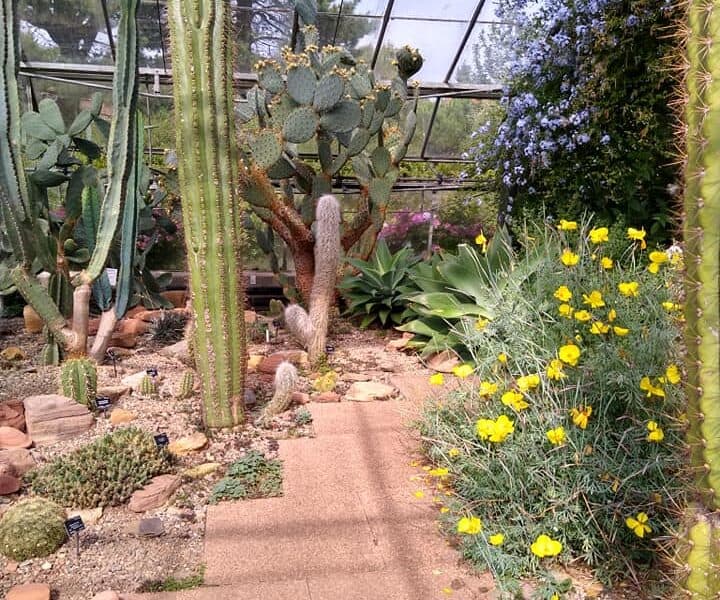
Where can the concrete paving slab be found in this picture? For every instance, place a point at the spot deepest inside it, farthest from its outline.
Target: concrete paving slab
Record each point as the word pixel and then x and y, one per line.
pixel 280 590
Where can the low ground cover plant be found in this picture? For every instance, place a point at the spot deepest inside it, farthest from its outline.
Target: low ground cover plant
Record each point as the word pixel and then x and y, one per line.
pixel 565 441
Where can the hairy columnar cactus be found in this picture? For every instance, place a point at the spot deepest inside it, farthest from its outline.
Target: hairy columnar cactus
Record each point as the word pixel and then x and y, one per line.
pixel 78 380
pixel 311 328
pixel 209 181
pixel 285 381
pixel 32 528
pixel 701 229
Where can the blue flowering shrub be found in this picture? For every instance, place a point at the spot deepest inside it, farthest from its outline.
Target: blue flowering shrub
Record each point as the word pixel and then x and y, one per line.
pixel 589 123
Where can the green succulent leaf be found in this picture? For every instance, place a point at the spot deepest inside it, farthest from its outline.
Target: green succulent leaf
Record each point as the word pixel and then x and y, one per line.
pixel 301 84
pixel 300 125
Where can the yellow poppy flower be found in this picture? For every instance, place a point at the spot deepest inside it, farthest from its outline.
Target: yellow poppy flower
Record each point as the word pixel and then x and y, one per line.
pixel 462 371
pixel 580 416
pixel 437 379
pixel 546 546
pixel 528 382
pixel 612 315
pixel 503 358
pixel 569 258
pixel 655 434
pixel 594 299
pixel 556 436
pixel 582 316
pixel 606 263
pixel 419 494
pixel 555 596
pixel 638 524
pixel 620 331
pixel 647 386
pixel 487 388
pixel 672 373
pixel 670 306
pixel 599 235
pixel 496 539
pixel 481 324
pixel 653 268
pixel 658 257
pixel 469 525
pixel 515 400
pixel 444 509
pixel 565 310
pixel 481 241
pixel 563 294
pixel 629 288
pixel 555 370
pixel 453 453
pixel 569 354
pixel 495 431
pixel 438 472
pixel 637 235
pixel 567 225
pixel 599 328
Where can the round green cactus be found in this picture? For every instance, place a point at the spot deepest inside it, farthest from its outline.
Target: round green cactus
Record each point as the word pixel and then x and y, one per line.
pixel 32 528
pixel 78 380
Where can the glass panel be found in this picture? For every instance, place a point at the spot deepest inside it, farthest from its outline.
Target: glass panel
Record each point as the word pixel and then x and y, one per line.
pixel 423 117
pixel 261 33
pixel 437 42
pixel 442 9
pixel 455 121
pixel 152 35
pixel 485 54
pixel 354 32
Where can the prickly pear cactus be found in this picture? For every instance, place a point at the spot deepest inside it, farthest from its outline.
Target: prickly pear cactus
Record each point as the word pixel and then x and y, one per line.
pixel 148 386
pixel 78 380
pixel 187 387
pixel 700 554
pixel 32 528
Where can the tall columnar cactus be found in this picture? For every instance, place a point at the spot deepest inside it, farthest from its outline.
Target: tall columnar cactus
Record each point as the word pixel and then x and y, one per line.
pixel 78 380
pixel 701 553
pixel 311 328
pixel 285 382
pixel 327 97
pixel 208 169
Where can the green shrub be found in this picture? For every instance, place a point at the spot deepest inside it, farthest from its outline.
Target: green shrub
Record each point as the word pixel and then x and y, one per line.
pixel 32 528
pixel 252 476
pixel 593 427
pixel 103 473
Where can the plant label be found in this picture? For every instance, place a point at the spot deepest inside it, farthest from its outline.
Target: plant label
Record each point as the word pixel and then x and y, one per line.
pixel 329 349
pixel 161 440
pixel 102 403
pixel 152 371
pixel 112 276
pixel 74 525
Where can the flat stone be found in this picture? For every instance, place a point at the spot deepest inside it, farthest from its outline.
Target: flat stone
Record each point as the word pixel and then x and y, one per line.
pixel 89 516
pixel 134 381
pixel 178 351
pixel 250 317
pixel 152 527
pixel 254 361
pixel 52 418
pixel 190 443
pixel 178 297
pixel 11 438
pixel 12 414
pixel 399 343
pixel 93 326
pixel 443 362
pixel 29 591
pixel 107 595
pixel 201 471
pixel 270 363
pixel 8 485
pixel 300 398
pixel 33 322
pixel 19 461
pixel 365 391
pixel 155 493
pixel 11 566
pixel 132 326
pixel 148 315
pixel 123 340
pixel 325 397
pixel 46 566
pixel 120 416
pixel 114 392
pixel 353 377
pixel 13 354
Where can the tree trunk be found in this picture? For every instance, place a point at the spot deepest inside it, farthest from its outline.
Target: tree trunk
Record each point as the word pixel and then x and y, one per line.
pixel 304 259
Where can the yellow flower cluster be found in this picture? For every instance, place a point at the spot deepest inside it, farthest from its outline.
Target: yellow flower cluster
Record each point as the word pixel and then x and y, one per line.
pixel 494 430
pixel 594 300
pixel 545 546
pixel 638 524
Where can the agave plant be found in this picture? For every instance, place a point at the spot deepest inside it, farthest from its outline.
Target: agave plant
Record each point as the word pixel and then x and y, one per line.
pixel 378 290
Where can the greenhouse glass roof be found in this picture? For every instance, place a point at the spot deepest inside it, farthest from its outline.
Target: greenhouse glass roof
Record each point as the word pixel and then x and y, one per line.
pixel 72 42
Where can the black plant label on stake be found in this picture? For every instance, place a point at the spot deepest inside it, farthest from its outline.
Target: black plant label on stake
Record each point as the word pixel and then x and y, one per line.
pixel 74 525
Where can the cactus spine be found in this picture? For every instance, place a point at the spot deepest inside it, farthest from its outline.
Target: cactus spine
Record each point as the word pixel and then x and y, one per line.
pixel 285 381
pixel 701 553
pixel 187 387
pixel 78 380
pixel 208 170
pixel 311 329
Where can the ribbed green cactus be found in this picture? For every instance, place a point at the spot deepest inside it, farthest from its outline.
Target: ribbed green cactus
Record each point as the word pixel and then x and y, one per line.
pixel 285 382
pixel 311 328
pixel 148 387
pixel 78 380
pixel 32 528
pixel 326 96
pixel 208 169
pixel 701 228
pixel 187 387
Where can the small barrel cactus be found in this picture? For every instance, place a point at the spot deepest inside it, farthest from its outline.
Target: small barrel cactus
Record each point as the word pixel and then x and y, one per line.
pixel 187 386
pixel 32 528
pixel 285 381
pixel 78 380
pixel 148 387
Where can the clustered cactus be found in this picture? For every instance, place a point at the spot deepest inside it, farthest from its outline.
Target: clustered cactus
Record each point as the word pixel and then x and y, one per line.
pixel 32 528
pixel 310 328
pixel 701 552
pixel 187 386
pixel 103 473
pixel 148 386
pixel 285 382
pixel 78 380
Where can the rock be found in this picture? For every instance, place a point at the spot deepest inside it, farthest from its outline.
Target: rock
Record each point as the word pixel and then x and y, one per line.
pixel 29 591
pixel 107 595
pixel 270 363
pixel 365 391
pixel 148 315
pixel 135 380
pixel 19 460
pixel 178 351
pixel 353 377
pixel 114 392
pixel 254 361
pixel 52 418
pixel 132 326
pixel 11 438
pixel 186 514
pixel 201 471
pixel 46 566
pixel 250 317
pixel 11 566
pixel 8 485
pixel 135 311
pixel 300 398
pixel 93 326
pixel 150 527
pixel 188 444
pixel 89 516
pixel 400 343
pixel 33 322
pixel 120 416
pixel 123 340
pixel 325 397
pixel 13 353
pixel 177 297
pixel 155 493
pixel 250 398
pixel 12 414
pixel 443 362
